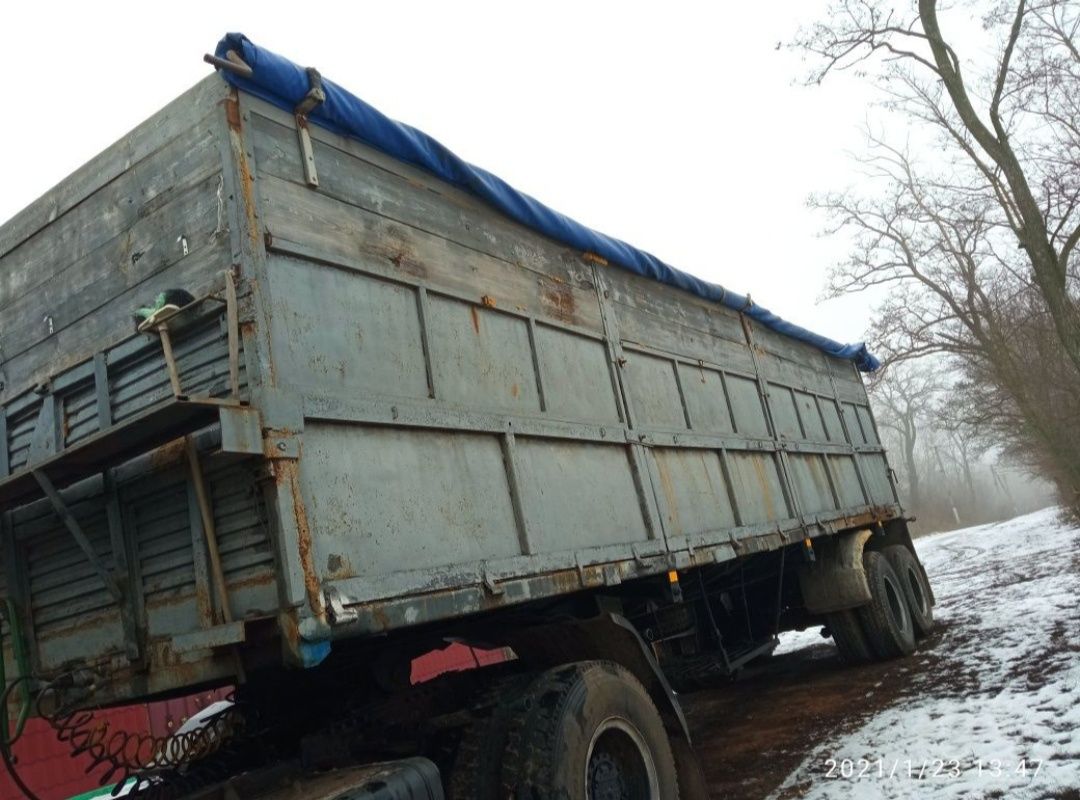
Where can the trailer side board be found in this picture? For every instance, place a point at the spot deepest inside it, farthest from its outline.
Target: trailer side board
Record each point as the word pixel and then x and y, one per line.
pixel 413 409
pixel 489 416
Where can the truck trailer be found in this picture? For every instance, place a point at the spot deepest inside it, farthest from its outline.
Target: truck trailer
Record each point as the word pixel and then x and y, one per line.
pixel 292 395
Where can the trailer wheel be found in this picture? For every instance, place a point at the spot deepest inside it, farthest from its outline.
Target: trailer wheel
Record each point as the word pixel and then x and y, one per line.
pixel 915 586
pixel 477 770
pixel 848 634
pixel 588 731
pixel 886 618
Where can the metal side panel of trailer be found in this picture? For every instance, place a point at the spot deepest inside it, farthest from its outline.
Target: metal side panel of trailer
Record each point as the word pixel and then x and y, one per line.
pixel 402 407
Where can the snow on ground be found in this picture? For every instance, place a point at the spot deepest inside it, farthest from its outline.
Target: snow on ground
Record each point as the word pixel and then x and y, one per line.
pixel 995 710
pixel 791 641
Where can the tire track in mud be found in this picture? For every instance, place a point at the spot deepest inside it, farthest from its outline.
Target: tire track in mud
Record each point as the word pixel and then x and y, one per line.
pixel 755 735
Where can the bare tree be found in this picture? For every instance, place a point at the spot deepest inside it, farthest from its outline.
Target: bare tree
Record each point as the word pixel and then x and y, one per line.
pixel 975 242
pixel 902 395
pixel 962 450
pixel 956 292
pixel 1010 132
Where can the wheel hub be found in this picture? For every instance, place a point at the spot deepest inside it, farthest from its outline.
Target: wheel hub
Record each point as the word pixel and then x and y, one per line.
pixel 605 778
pixel 620 765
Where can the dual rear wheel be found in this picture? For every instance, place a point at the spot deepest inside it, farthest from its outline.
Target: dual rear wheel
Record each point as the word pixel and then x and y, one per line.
pixel 898 613
pixel 582 731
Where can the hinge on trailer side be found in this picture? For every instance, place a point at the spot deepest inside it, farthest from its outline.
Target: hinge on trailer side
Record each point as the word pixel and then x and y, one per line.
pixel 580 569
pixel 489 583
pixel 312 100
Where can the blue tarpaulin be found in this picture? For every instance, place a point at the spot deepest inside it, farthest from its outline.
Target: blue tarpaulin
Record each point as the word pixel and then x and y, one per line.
pixel 283 83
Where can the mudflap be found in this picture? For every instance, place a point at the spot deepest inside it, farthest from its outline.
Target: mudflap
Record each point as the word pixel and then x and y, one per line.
pixel 836 580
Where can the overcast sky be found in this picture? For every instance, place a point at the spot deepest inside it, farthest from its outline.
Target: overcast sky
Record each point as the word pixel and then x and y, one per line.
pixel 680 128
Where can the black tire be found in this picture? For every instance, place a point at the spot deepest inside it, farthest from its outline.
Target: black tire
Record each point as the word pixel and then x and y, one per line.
pixel 477 770
pixel 886 619
pixel 848 634
pixel 692 784
pixel 586 728
pixel 916 589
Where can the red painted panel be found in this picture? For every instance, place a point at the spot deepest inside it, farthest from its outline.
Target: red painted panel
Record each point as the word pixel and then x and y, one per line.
pixel 455 658
pixel 46 766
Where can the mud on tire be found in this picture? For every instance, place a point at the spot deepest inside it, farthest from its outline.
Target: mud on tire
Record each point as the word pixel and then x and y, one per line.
pixel 886 619
pixel 477 769
pixel 848 634
pixel 916 588
pixel 584 730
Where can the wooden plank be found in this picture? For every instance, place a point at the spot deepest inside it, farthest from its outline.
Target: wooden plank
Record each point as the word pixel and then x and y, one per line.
pixel 336 230
pixel 111 321
pixel 674 338
pixel 146 138
pixel 362 177
pixel 58 252
pixel 99 275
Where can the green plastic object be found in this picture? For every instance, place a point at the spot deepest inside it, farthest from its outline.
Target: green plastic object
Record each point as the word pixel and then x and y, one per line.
pixel 148 311
pixel 101 793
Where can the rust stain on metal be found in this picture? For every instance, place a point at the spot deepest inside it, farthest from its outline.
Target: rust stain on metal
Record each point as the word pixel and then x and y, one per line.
pixel 204 602
pixel 401 255
pixel 262 579
pixel 232 111
pixel 594 258
pixel 288 625
pixel 247 189
pixel 202 596
pixel 567 580
pixel 747 330
pixel 758 461
pixel 167 454
pixel 558 300
pixel 247 180
pixel 286 473
pixel 488 301
pixel 475 318
pixel 381 618
pixel 339 567
pixel 669 492
pixel 514 390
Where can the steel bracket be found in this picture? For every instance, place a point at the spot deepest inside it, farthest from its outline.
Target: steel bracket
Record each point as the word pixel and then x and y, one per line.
pixel 836 580
pixel 312 100
pixel 241 430
pixel 76 531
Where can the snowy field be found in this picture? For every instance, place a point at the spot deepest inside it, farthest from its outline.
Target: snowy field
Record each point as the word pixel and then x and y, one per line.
pixel 994 711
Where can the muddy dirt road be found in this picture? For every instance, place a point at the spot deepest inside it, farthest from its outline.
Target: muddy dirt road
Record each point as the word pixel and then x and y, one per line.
pixel 989 707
